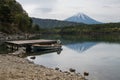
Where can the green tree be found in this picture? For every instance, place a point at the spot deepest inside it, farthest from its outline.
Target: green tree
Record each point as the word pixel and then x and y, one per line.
pixel 36 28
pixel 13 18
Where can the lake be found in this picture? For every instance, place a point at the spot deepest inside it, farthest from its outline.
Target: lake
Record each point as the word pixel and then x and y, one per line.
pixel 98 55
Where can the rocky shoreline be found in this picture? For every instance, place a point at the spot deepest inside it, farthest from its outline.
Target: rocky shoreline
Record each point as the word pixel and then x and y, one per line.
pixel 13 67
pixel 16 68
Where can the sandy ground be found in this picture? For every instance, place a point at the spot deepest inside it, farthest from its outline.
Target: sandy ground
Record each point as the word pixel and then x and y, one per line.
pixel 15 68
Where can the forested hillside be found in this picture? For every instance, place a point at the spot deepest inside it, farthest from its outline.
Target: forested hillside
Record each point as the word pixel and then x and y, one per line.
pixel 109 28
pixel 13 18
pixel 50 23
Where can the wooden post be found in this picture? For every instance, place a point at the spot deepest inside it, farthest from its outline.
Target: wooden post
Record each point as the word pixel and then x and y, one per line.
pixel 17 47
pixel 28 48
pixel 12 47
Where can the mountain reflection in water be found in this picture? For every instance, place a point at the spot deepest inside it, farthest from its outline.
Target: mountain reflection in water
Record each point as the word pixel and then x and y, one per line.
pixel 81 47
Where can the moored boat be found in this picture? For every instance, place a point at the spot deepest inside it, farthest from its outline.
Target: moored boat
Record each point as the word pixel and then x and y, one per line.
pixel 52 46
pixel 38 47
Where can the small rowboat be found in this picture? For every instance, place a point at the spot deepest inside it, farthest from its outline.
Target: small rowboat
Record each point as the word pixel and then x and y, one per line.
pixel 47 46
pixel 38 47
pixel 52 46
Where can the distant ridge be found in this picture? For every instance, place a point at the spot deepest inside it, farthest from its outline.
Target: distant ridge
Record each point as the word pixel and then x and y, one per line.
pixel 82 18
pixel 50 23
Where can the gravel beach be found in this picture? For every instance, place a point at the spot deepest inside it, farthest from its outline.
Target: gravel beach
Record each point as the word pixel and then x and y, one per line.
pixel 15 68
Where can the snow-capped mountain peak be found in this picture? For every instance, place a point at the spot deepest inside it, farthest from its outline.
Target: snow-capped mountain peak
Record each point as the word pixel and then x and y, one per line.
pixel 79 14
pixel 82 18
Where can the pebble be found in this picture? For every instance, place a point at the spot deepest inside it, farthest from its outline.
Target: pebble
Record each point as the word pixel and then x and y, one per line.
pixel 86 73
pixel 56 68
pixel 33 57
pixel 72 70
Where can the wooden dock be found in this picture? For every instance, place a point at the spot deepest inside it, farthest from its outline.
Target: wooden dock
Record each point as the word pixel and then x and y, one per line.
pixel 27 44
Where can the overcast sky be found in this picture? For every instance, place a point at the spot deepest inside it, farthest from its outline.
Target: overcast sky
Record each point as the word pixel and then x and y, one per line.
pixel 101 10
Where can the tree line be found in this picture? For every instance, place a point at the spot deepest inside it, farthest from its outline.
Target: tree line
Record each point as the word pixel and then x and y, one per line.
pixel 96 29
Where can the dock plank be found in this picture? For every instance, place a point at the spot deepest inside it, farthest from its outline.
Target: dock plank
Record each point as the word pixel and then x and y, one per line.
pixel 23 42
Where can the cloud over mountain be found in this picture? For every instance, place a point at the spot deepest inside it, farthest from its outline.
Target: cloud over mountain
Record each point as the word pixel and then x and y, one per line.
pixel 102 10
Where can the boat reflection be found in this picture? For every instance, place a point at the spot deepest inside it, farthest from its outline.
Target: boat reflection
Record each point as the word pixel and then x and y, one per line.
pixel 42 52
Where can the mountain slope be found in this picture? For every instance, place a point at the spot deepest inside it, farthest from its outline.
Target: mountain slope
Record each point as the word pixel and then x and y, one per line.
pixel 82 18
pixel 49 23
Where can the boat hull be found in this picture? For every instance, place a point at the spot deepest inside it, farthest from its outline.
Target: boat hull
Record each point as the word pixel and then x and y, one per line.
pixel 46 47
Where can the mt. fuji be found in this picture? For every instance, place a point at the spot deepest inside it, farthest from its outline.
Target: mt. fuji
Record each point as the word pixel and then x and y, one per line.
pixel 82 18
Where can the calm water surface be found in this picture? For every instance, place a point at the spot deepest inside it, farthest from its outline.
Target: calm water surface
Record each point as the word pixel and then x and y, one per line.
pixel 98 55
pixel 100 59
